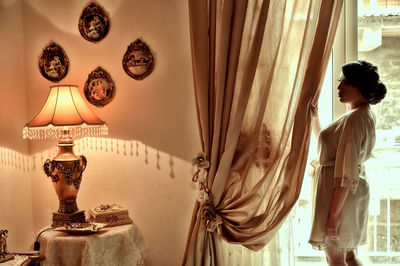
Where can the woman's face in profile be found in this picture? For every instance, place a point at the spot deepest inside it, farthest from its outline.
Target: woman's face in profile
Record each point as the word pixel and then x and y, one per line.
pixel 348 93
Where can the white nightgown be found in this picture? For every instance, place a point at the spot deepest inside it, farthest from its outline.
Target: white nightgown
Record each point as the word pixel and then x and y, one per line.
pixel 343 147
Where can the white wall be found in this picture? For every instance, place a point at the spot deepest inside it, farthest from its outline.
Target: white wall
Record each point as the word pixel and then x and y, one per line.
pixel 156 115
pixel 15 187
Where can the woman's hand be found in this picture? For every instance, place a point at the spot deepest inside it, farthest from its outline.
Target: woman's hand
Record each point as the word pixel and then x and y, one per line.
pixel 315 124
pixel 314 111
pixel 332 227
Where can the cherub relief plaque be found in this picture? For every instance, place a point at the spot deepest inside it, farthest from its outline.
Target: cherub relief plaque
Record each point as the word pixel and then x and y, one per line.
pixel 54 62
pixel 99 88
pixel 93 23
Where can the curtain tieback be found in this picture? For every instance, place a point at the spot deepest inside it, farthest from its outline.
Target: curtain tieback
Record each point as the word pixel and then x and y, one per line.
pixel 210 216
pixel 201 164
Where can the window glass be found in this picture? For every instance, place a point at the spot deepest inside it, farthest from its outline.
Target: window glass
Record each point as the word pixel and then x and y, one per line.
pixel 379 43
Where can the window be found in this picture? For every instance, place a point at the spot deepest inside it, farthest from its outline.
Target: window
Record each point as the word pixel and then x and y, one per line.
pixel 378 42
pixel 368 30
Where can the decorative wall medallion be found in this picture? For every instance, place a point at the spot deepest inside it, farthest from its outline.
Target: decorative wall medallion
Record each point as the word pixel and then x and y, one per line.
pixel 99 87
pixel 93 23
pixel 54 62
pixel 138 60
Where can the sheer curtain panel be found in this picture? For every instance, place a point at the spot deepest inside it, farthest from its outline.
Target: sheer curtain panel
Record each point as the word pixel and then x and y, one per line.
pixel 257 65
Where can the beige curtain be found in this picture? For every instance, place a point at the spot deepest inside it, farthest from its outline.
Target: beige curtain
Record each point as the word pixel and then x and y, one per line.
pixel 257 66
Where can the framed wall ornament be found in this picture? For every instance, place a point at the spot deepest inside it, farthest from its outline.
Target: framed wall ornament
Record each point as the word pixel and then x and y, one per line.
pixel 138 60
pixel 99 88
pixel 54 62
pixel 93 23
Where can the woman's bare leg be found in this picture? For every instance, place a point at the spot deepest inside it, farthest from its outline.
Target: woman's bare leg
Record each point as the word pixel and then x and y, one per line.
pixel 352 259
pixel 335 257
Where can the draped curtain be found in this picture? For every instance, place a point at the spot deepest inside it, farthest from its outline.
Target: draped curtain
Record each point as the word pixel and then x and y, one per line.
pixel 257 66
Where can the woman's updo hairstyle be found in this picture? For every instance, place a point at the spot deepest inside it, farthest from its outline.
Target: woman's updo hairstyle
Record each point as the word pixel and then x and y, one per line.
pixel 365 77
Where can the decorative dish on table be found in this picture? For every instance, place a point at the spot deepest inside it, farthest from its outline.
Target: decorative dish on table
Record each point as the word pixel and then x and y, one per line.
pixel 85 228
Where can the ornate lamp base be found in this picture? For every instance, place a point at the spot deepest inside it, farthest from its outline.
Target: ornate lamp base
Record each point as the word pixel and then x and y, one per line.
pixel 60 219
pixel 68 206
pixel 65 170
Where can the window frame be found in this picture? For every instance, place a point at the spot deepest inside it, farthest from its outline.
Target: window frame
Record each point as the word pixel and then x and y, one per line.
pixel 345 49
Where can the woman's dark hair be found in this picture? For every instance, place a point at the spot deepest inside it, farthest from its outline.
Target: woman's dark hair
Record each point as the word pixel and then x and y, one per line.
pixel 365 77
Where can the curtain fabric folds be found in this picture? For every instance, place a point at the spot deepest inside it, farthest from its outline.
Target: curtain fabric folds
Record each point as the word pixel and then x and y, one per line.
pixel 257 66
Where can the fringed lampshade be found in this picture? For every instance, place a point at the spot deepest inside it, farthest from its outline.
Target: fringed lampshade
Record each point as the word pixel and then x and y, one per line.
pixel 64 110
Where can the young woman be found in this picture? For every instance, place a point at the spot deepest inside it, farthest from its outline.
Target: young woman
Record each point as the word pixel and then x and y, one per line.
pixel 341 198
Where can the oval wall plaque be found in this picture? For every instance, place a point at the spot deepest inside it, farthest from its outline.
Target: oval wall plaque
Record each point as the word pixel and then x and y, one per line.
pixel 93 23
pixel 99 88
pixel 54 62
pixel 138 60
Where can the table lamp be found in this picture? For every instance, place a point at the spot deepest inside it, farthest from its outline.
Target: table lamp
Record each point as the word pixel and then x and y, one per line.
pixel 64 116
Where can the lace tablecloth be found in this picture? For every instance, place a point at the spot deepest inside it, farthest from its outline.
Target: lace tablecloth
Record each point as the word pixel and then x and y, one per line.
pixel 119 245
pixel 17 261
